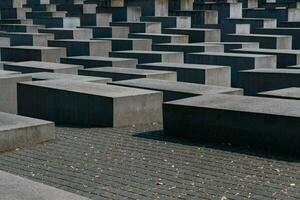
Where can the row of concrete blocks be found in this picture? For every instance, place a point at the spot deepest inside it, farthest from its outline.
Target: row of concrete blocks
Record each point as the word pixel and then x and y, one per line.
pixel 116 104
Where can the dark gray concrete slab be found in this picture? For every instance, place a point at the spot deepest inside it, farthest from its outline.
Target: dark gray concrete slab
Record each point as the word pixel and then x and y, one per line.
pixel 174 90
pixel 41 76
pixel 17 188
pixel 36 66
pixel 27 53
pixel 286 93
pixel 271 124
pixel 18 131
pixel 88 104
pixel 260 80
pixel 122 73
pixel 192 73
pixel 150 56
pixel 97 61
pixel 8 88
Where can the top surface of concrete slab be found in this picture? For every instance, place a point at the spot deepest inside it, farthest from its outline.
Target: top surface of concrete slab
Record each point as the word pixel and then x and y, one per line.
pixel 148 52
pixel 99 58
pixel 54 76
pixel 90 88
pixel 273 71
pixel 175 86
pixel 183 65
pixel 4 72
pixel 32 47
pixel 260 50
pixel 124 70
pixel 14 187
pixel 239 55
pixel 292 92
pixel 244 104
pixel 46 65
pixel 10 121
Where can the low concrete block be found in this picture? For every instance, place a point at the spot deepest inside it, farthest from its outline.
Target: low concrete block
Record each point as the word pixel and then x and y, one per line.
pixel 98 61
pixel 88 104
pixel 150 56
pixel 192 73
pixel 173 90
pixel 18 131
pixel 260 80
pixel 43 76
pixel 121 73
pixel 226 119
pixel 83 47
pixel 8 88
pixel 29 53
pixel 36 66
pixel 18 188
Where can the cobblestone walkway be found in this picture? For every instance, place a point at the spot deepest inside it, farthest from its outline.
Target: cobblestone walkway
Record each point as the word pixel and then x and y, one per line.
pixel 141 163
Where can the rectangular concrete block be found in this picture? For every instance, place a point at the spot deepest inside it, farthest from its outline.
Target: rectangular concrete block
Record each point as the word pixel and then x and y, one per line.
pixel 192 73
pixel 236 61
pixel 150 56
pixel 270 124
pixel 174 90
pixel 36 66
pixel 286 93
pixel 18 188
pixel 69 33
pixel 8 88
pixel 43 76
pixel 121 73
pixel 97 61
pixel 83 47
pixel 88 104
pixel 29 53
pixel 260 80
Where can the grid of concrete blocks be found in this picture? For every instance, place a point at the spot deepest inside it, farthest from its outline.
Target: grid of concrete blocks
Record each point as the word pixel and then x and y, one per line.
pixel 223 71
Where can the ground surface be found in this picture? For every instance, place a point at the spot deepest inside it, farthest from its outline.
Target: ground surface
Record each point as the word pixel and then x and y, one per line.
pixel 141 163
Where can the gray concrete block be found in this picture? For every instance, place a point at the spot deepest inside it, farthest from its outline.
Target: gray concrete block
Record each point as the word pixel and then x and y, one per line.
pixel 260 80
pixel 150 56
pixel 36 66
pixel 236 61
pixel 192 73
pixel 88 104
pixel 121 73
pixel 36 53
pixel 286 93
pixel 97 61
pixel 267 123
pixel 42 76
pixel 69 33
pixel 83 47
pixel 174 90
pixel 122 44
pixel 18 188
pixel 8 88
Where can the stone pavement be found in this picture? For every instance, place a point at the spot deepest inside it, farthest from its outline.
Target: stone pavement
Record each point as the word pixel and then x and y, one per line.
pixel 142 163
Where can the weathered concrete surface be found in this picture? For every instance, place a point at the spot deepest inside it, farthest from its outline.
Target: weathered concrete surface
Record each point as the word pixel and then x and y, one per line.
pixel 239 120
pixel 36 66
pixel 173 90
pixel 88 104
pixel 56 76
pixel 8 91
pixel 119 73
pixel 18 131
pixel 14 187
